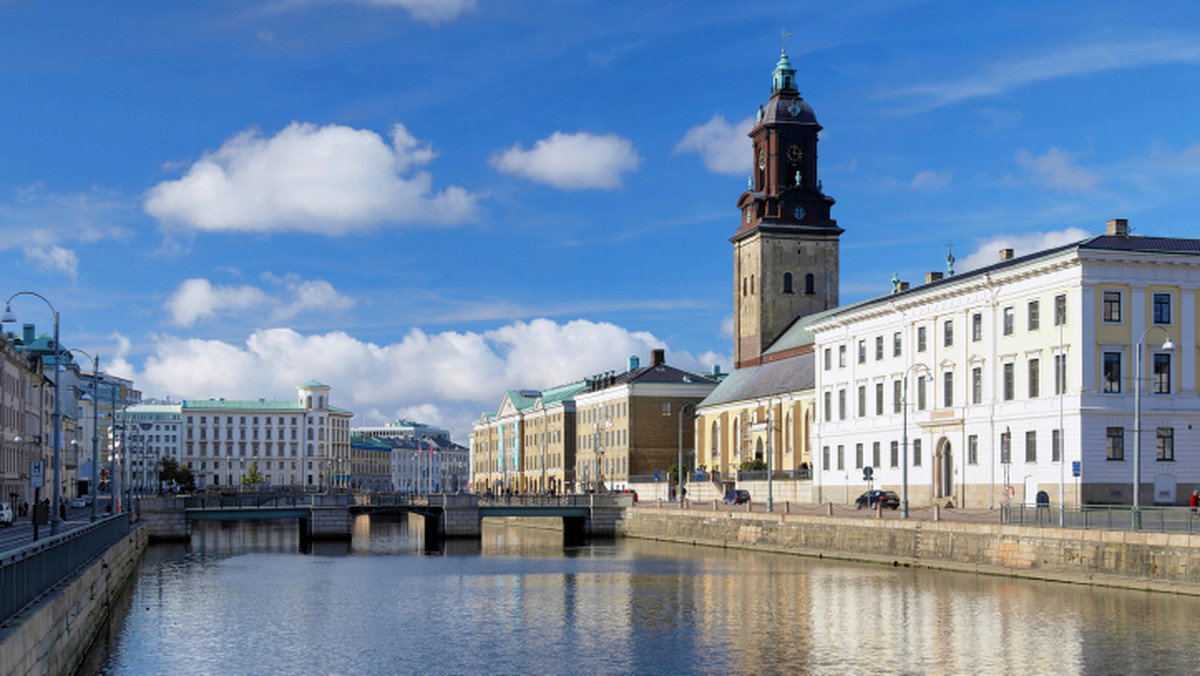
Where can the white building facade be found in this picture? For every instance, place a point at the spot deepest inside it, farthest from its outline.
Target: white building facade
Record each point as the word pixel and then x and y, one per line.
pixel 1017 379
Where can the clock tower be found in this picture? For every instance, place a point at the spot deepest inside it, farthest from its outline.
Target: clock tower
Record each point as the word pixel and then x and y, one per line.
pixel 785 250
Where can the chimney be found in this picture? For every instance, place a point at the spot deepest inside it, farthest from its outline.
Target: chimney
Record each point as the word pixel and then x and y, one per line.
pixel 658 357
pixel 932 277
pixel 1119 227
pixel 1006 254
pixel 633 362
pixel 904 286
pixel 27 334
pixel 716 369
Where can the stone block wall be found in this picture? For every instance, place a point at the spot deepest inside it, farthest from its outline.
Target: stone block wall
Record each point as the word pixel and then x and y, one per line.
pixel 52 637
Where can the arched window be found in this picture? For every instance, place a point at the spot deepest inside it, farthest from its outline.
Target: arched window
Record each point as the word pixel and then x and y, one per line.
pixel 310 435
pixel 320 402
pixel 714 446
pixel 751 285
pixel 308 402
pixel 809 283
pixel 787 282
pixel 743 287
pixel 789 434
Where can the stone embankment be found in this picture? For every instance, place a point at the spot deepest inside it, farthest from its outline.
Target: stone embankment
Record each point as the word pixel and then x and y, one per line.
pixel 54 634
pixel 1138 560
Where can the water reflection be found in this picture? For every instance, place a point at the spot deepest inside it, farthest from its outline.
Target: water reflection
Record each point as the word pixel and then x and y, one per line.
pixel 242 599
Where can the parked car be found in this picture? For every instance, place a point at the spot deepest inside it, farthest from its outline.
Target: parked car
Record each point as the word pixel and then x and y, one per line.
pixel 737 497
pixel 876 496
pixel 81 501
pixel 6 514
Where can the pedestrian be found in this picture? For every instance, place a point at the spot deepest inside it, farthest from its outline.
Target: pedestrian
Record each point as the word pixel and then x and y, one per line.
pixel 1194 501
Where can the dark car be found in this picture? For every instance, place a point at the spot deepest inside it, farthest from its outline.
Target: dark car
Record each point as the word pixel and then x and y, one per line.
pixel 878 497
pixel 737 497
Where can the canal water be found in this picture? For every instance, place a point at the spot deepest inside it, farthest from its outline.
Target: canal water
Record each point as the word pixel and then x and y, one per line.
pixel 243 599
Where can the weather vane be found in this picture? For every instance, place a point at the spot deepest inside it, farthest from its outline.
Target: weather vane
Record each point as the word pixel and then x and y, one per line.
pixel 785 35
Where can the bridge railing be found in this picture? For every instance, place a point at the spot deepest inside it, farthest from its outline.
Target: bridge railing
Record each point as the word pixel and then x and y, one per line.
pixel 246 501
pixel 27 573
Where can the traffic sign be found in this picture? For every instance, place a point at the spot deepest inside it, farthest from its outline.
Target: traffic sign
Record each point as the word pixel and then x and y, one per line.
pixel 1076 468
pixel 868 472
pixel 37 473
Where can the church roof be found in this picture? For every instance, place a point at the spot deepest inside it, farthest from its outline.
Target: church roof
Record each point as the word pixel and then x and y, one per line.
pixel 769 379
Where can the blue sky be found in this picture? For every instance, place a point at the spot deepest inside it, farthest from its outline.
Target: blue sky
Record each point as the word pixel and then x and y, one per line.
pixel 425 202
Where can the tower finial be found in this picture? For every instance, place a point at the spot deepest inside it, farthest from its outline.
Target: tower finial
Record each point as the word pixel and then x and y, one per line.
pixel 783 42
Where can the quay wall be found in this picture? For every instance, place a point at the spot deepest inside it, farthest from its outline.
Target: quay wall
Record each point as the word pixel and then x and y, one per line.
pixel 1137 560
pixel 54 635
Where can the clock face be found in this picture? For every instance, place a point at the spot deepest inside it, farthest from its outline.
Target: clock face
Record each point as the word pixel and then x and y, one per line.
pixel 762 159
pixel 794 109
pixel 799 213
pixel 795 153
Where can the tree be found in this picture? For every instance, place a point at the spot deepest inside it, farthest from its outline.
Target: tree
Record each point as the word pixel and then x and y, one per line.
pixel 169 470
pixel 755 465
pixel 253 477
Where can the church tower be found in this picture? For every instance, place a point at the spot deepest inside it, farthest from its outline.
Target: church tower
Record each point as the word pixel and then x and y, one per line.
pixel 785 251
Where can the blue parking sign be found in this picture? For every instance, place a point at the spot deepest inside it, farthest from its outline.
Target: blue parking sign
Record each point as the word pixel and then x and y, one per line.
pixel 1076 468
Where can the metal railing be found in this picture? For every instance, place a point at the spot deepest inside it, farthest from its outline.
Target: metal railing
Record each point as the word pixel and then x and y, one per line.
pixel 247 501
pixel 29 572
pixel 1104 517
pixel 777 475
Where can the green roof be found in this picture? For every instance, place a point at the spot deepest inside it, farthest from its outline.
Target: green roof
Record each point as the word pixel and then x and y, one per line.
pixel 313 383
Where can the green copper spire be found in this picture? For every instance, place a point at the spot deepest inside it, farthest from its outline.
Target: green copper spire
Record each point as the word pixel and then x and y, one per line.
pixel 785 75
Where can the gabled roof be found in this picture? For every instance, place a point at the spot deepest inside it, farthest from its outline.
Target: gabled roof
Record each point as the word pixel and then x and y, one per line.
pixel 792 374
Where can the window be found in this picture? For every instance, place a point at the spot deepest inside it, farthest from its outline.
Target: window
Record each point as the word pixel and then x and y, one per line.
pixel 808 284
pixel 875 454
pixel 1115 446
pixel 973 449
pixel 1112 306
pixel 1162 308
pixel 878 400
pixel 1008 321
pixel 1035 311
pixel 858 456
pixel 787 282
pixel 1162 374
pixel 841 457
pixel 1060 373
pixel 828 359
pixel 1031 446
pixel 1033 378
pixel 1112 372
pixel 920 339
pixel 976 327
pixel 1008 382
pixel 841 404
pixel 977 385
pixel 841 356
pixel 948 389
pixel 897 395
pixel 1055 445
pixel 666 409
pixel 1166 444
pixel 896 344
pixel 920 394
pixel 862 351
pixel 825 458
pixel 878 348
pixel 828 406
pixel 862 401
pixel 895 454
pixel 948 333
pixel 916 452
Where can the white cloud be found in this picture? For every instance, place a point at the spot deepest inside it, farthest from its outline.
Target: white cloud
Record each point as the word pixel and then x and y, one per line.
pixel 1068 61
pixel 724 148
pixel 576 161
pixel 54 258
pixel 35 218
pixel 1056 168
pixel 930 180
pixel 988 251
pixel 458 374
pixel 429 11
pixel 197 299
pixel 324 180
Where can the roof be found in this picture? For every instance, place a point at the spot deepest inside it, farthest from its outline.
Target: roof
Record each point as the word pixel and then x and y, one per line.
pixel 314 383
pixel 772 378
pixel 241 405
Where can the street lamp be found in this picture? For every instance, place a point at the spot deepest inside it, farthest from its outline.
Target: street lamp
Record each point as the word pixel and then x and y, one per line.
pixel 904 443
pixel 682 410
pixel 1167 346
pixel 8 318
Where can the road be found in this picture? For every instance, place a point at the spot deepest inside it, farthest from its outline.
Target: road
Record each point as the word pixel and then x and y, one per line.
pixel 20 533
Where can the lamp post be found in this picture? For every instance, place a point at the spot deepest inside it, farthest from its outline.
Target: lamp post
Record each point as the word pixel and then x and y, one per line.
pixel 904 443
pixel 682 410
pixel 600 424
pixel 7 318
pixel 1167 346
